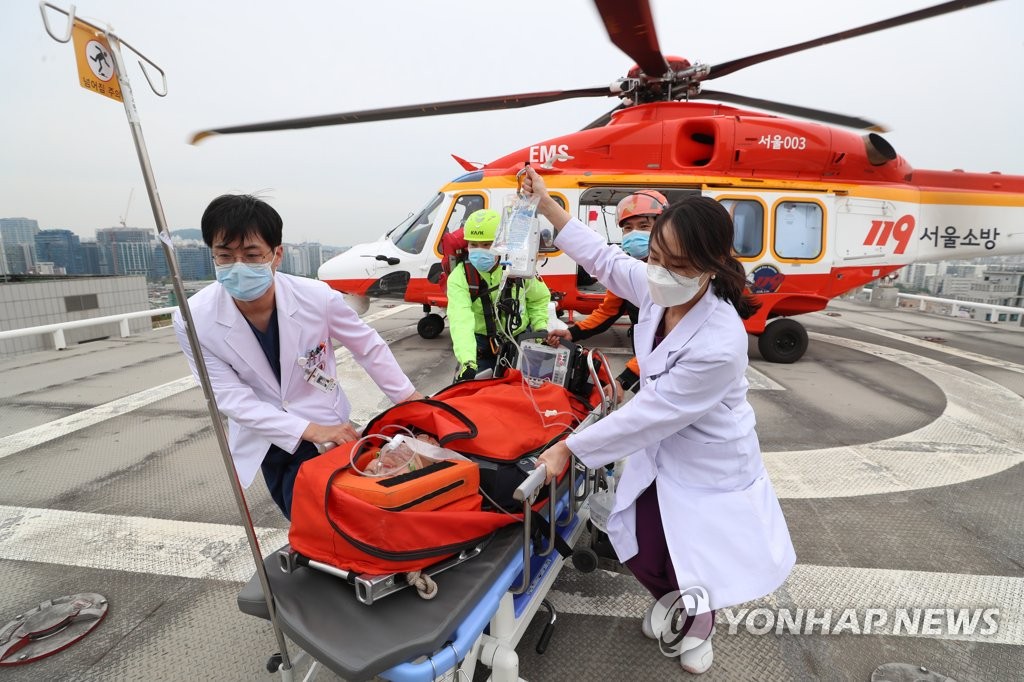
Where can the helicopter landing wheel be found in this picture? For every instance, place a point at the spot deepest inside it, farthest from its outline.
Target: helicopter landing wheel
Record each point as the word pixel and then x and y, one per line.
pixel 430 326
pixel 783 341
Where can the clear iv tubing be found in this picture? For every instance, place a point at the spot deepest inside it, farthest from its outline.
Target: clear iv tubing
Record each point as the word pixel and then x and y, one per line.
pixel 378 436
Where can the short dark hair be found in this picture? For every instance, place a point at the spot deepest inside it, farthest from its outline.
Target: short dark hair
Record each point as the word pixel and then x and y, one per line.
pixel 704 229
pixel 238 216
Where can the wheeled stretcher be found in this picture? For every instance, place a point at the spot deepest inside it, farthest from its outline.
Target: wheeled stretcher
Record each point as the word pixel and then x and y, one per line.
pixel 370 626
pixel 479 615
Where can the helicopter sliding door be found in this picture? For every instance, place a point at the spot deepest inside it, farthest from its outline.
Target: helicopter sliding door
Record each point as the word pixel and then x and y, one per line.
pixel 874 230
pixel 597 210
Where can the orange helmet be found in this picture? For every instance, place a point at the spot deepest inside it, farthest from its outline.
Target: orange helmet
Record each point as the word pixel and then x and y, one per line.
pixel 645 202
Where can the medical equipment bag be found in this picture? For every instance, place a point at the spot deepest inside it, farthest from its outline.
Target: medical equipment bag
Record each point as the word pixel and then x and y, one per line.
pixel 495 422
pixel 424 488
pixel 512 422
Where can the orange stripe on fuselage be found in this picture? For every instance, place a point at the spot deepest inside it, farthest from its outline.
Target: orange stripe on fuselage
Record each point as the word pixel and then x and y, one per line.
pixel 967 196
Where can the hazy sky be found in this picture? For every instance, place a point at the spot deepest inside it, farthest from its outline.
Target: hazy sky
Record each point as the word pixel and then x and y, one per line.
pixel 951 90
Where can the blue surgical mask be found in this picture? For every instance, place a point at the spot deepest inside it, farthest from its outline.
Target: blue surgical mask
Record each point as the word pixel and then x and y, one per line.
pixel 637 243
pixel 482 259
pixel 245 282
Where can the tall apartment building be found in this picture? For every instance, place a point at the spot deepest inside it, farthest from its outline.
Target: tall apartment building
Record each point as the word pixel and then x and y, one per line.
pixel 17 245
pixel 94 259
pixel 63 248
pixel 302 259
pixel 195 261
pixel 128 249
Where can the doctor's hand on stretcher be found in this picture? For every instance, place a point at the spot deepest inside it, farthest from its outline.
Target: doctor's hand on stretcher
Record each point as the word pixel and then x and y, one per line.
pixel 334 433
pixel 614 393
pixel 554 459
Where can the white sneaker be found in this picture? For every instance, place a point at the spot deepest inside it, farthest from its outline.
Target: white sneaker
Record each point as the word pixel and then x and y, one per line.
pixel 698 660
pixel 646 626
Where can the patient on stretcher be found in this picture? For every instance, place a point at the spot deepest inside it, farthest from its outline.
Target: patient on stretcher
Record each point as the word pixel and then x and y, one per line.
pixel 408 454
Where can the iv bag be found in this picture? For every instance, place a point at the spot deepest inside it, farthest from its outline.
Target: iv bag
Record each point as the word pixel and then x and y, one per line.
pixel 518 235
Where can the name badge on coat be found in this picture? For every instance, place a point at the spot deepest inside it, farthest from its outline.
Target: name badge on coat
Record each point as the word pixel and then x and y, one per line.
pixel 312 364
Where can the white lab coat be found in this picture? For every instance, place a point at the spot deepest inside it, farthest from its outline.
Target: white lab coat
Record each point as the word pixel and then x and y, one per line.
pixel 260 411
pixel 691 428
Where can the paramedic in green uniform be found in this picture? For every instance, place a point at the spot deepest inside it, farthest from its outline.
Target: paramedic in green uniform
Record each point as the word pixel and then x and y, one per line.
pixel 473 286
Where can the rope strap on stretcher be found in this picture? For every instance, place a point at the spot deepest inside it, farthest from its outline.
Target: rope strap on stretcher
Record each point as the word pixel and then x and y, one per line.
pixel 423 583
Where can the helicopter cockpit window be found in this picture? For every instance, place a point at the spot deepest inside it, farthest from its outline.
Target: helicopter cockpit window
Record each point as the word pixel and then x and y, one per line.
pixel 748 226
pixel 411 235
pixel 798 230
pixel 465 206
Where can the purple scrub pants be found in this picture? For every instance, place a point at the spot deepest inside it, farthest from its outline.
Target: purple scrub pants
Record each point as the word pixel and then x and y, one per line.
pixel 652 564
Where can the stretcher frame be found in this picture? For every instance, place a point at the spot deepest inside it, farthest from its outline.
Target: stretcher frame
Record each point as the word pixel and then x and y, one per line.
pixel 489 634
pixel 491 631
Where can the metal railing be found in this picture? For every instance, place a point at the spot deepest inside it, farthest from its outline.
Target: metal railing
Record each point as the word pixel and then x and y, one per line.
pixel 57 328
pixel 952 307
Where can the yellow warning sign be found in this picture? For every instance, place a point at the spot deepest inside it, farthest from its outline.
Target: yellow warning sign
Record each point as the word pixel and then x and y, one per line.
pixel 95 62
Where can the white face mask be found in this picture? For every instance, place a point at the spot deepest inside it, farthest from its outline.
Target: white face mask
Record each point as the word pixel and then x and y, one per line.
pixel 669 289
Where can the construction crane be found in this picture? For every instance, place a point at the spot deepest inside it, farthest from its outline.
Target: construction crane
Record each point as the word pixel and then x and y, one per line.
pixel 125 215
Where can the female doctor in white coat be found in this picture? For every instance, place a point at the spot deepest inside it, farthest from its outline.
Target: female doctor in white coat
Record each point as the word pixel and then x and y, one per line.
pixel 694 506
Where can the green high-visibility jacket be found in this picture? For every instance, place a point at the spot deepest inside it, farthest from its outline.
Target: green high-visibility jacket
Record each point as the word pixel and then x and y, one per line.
pixel 466 316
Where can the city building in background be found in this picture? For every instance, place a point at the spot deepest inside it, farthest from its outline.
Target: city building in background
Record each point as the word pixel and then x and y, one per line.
pixel 129 250
pixel 302 260
pixel 94 261
pixel 992 281
pixel 122 251
pixel 61 248
pixel 195 261
pixel 17 245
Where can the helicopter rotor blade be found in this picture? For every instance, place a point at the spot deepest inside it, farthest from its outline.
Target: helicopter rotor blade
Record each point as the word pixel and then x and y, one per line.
pixel 630 26
pixel 459 106
pixel 725 68
pixel 803 112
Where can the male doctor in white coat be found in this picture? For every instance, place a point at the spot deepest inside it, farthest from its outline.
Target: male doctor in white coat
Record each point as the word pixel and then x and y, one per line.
pixel 267 343
pixel 694 506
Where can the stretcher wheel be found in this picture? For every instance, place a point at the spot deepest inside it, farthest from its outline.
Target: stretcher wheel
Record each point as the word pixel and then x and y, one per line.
pixel 274 663
pixel 430 326
pixel 584 559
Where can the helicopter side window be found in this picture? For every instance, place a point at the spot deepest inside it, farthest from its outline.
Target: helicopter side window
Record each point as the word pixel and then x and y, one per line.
pixel 412 235
pixel 798 230
pixel 547 230
pixel 465 206
pixel 748 226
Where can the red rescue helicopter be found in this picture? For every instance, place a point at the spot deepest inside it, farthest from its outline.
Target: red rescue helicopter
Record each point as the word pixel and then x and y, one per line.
pixel 820 208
